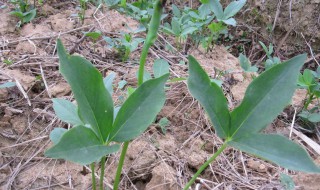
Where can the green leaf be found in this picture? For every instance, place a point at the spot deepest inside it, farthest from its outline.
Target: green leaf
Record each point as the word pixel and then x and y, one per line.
pixel 80 145
pixel 108 80
pixel 29 16
pixel 188 30
pixel 176 11
pixel 230 21
pixel 56 134
pixel 66 111
pixel 287 182
pixel 266 97
pixel 216 8
pixel 7 85
pixel 175 24
pixel 121 84
pixel 94 35
pixel 233 8
pixel 307 79
pixel 160 67
pixel 277 149
pixel 210 97
pixel 94 102
pixel 139 110
pixel 246 64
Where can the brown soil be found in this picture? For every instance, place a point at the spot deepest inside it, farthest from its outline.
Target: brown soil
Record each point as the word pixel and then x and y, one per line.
pixel 154 161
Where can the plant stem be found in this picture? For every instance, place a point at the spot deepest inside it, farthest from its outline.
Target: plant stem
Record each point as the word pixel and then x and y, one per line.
pixel 120 165
pixel 103 163
pixel 205 165
pixel 123 3
pixel 151 37
pixel 93 177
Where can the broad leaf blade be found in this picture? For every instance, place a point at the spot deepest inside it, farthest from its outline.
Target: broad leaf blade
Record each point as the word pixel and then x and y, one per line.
pixel 95 103
pixel 66 111
pixel 160 67
pixel 277 149
pixel 139 110
pixel 210 97
pixel 233 8
pixel 266 97
pixel 80 145
pixel 216 8
pixel 56 134
pixel 108 80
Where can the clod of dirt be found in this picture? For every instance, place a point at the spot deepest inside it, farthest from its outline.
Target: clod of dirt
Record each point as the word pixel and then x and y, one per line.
pixel 299 97
pixel 114 22
pixel 60 23
pixel 168 143
pixel 19 124
pixel 163 177
pixel 3 94
pixel 7 22
pixel 36 30
pixel 26 80
pixel 141 157
pixel 47 9
pixel 257 165
pixel 61 89
pixel 26 47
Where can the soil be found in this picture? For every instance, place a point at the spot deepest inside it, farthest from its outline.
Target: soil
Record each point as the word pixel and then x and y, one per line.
pixel 154 160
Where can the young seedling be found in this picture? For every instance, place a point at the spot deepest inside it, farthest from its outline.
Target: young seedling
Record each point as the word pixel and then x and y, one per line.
pixel 271 61
pixel 24 11
pixel 94 121
pixel 264 99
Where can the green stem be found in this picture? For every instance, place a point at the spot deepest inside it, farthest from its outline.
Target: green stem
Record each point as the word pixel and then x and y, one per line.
pixel 151 37
pixel 205 165
pixel 120 165
pixel 103 163
pixel 93 177
pixel 123 3
pixel 308 101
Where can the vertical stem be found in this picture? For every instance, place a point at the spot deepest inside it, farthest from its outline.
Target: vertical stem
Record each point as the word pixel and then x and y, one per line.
pixel 123 3
pixel 103 163
pixel 93 177
pixel 150 39
pixel 205 165
pixel 120 165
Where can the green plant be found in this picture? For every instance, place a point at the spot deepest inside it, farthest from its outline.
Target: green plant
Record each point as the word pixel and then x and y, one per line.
pixel 271 61
pixel 24 11
pixel 264 99
pixel 83 8
pixel 246 64
pixel 95 121
pixel 124 45
pixel 310 81
pixel 94 36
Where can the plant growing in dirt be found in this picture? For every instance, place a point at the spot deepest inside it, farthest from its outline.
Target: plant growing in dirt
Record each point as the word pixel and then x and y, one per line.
pixel 310 80
pixel 271 60
pixel 98 127
pixel 24 11
pixel 264 99
pixel 124 44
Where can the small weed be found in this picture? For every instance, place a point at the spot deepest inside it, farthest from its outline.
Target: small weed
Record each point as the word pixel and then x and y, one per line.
pixel 24 11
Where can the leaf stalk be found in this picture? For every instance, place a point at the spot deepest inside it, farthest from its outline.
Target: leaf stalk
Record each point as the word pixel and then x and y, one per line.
pixel 205 165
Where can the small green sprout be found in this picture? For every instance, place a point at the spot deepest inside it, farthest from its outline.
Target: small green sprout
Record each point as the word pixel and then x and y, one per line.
pixel 24 11
pixel 271 61
pixel 246 64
